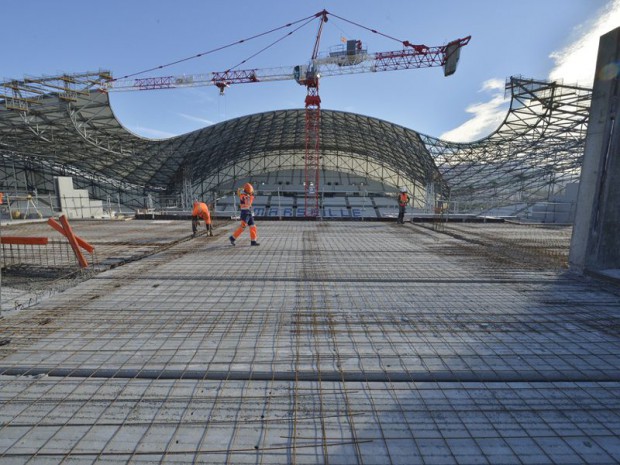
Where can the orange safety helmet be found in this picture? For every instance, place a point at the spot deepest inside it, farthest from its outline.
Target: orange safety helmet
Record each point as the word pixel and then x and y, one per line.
pixel 247 187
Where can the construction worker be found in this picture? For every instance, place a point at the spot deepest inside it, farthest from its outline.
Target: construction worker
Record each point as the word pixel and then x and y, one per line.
pixel 246 197
pixel 201 211
pixel 403 200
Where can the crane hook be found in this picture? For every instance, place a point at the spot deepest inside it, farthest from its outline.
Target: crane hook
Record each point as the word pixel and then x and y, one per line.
pixel 222 86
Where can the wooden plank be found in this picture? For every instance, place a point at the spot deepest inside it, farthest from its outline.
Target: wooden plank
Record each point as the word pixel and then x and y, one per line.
pixel 23 240
pixel 81 242
pixel 73 241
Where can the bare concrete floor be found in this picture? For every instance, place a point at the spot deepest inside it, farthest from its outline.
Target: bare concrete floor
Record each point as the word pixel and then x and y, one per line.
pixel 332 342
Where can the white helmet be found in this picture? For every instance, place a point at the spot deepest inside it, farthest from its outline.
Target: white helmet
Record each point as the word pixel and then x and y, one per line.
pixel 403 189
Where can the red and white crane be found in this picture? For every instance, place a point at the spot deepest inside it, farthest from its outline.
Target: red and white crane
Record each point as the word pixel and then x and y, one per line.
pixel 349 58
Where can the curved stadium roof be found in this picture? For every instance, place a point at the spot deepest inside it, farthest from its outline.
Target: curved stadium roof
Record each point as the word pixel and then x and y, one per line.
pixel 64 125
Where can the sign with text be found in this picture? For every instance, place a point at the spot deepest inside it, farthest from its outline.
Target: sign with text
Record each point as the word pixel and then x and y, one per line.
pixel 328 212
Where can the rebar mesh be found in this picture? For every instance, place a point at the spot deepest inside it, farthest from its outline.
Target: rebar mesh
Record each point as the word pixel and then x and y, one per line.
pixel 330 343
pixel 55 254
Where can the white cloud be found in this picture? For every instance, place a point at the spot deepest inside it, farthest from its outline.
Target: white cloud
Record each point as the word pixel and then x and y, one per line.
pixel 493 84
pixel 486 117
pixel 206 122
pixel 151 133
pixel 575 63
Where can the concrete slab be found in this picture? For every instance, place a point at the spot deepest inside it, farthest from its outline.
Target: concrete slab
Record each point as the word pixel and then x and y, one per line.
pixel 332 342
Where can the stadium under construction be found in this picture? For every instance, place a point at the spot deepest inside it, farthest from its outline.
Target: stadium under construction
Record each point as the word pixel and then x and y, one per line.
pixel 459 337
pixel 529 167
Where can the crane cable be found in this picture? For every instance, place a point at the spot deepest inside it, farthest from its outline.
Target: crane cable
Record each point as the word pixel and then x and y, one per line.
pixel 307 19
pixel 404 42
pixel 323 13
pixel 272 44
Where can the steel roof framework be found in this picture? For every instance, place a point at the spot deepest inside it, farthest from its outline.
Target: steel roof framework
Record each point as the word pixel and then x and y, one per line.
pixel 64 125
pixel 536 151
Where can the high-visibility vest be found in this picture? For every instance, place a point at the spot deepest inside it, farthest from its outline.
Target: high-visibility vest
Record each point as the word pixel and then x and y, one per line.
pixel 403 199
pixel 201 209
pixel 245 201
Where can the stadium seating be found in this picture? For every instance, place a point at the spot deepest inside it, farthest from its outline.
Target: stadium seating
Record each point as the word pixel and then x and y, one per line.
pixel 341 195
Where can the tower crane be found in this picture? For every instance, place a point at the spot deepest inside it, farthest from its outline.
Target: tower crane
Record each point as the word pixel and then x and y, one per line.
pixel 350 58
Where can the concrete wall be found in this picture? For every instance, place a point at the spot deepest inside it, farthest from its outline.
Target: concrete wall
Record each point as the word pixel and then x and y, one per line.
pixel 595 245
pixel 74 203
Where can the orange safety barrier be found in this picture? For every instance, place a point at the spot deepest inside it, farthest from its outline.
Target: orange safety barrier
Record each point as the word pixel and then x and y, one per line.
pixel 75 241
pixel 23 240
pixel 81 242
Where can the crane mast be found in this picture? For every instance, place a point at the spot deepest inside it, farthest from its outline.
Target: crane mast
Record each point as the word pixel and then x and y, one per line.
pixel 313 132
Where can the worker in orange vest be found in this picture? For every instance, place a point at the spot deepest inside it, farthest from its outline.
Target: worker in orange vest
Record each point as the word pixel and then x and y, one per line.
pixel 201 211
pixel 246 197
pixel 403 201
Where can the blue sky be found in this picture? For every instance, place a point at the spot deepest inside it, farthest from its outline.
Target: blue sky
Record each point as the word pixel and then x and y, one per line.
pixel 534 38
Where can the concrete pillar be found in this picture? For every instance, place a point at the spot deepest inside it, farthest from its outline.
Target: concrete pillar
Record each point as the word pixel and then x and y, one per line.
pixel 595 244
